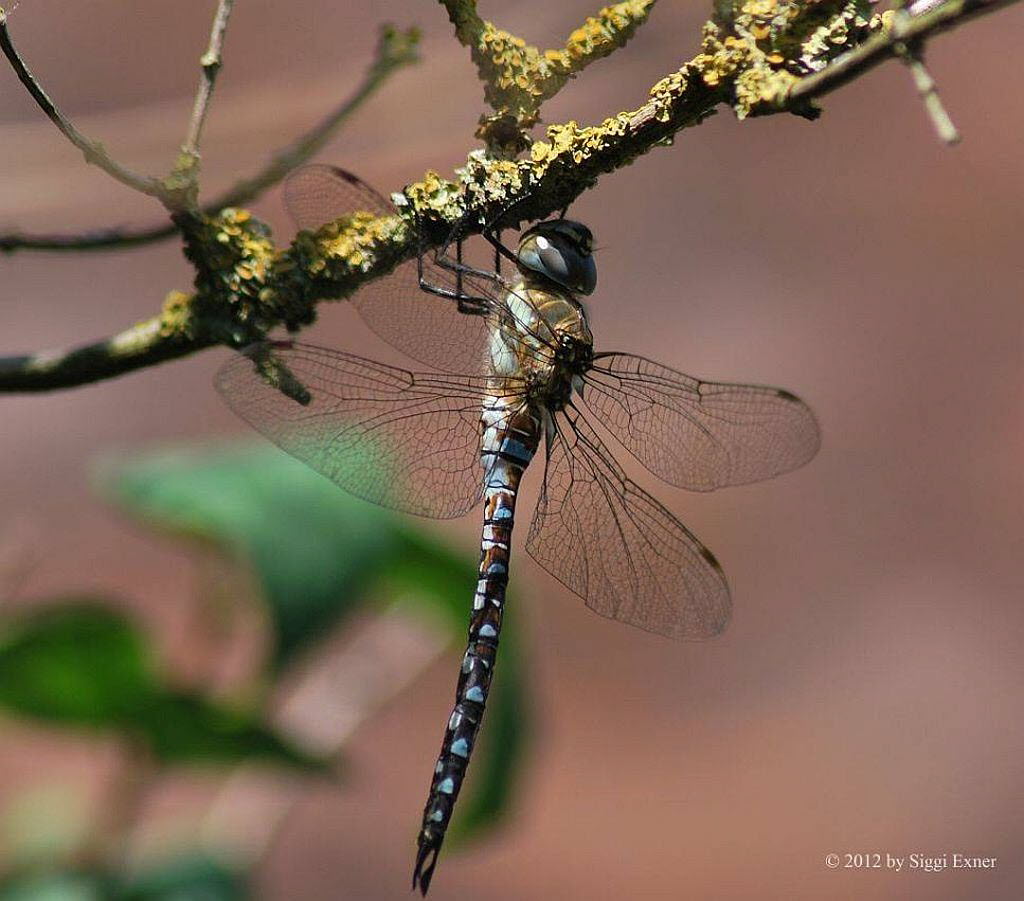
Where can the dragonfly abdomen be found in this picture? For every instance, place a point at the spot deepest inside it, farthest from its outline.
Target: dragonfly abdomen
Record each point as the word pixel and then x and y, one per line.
pixel 509 443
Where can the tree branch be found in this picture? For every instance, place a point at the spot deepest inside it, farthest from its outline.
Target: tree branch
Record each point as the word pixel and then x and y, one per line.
pixel 141 345
pixel 92 150
pixel 905 29
pixel 182 184
pixel 518 77
pixel 211 63
pixel 246 286
pixel 395 50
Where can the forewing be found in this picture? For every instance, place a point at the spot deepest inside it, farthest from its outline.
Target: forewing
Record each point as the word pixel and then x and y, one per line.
pixel 318 194
pixel 700 435
pixel 426 327
pixel 609 541
pixel 406 440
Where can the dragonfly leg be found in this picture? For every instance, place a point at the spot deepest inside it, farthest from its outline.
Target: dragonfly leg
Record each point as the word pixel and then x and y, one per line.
pixel 493 238
pixel 444 260
pixel 467 303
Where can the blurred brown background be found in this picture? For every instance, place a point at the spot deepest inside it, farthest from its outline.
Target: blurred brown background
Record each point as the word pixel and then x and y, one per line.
pixel 866 696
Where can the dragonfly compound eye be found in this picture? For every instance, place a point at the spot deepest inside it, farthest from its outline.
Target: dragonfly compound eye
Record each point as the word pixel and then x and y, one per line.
pixel 559 250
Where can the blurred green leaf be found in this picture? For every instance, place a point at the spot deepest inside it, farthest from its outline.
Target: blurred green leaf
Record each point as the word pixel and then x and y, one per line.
pixel 50 886
pixel 432 573
pixel 191 878
pixel 76 662
pixel 314 547
pixel 317 551
pixel 182 728
pixel 82 663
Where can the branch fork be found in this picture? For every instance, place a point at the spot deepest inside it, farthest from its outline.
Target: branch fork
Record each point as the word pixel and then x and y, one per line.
pixel 758 57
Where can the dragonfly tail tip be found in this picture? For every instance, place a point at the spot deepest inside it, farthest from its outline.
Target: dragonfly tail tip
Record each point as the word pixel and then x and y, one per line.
pixel 423 872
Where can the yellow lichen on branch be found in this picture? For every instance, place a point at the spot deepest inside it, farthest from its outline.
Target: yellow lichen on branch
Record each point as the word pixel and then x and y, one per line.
pixel 803 36
pixel 176 315
pixel 759 49
pixel 756 57
pixel 518 77
pixel 752 53
pixel 601 34
pixel 741 64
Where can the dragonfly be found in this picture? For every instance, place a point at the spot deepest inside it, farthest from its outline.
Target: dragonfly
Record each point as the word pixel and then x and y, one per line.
pixel 512 373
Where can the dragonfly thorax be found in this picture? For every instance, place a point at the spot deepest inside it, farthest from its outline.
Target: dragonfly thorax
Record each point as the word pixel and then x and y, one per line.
pixel 573 357
pixel 546 341
pixel 574 353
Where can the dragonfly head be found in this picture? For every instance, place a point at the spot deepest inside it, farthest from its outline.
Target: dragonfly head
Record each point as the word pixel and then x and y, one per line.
pixel 561 250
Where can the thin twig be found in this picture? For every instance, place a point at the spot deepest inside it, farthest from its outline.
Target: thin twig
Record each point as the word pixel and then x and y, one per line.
pixel 564 167
pixel 912 56
pixel 395 49
pixel 101 239
pixel 880 47
pixel 211 62
pixel 92 150
pixel 933 105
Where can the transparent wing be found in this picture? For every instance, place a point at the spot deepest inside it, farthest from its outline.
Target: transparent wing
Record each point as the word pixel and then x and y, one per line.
pixel 406 440
pixel 422 325
pixel 614 545
pixel 699 435
pixel 428 328
pixel 315 195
